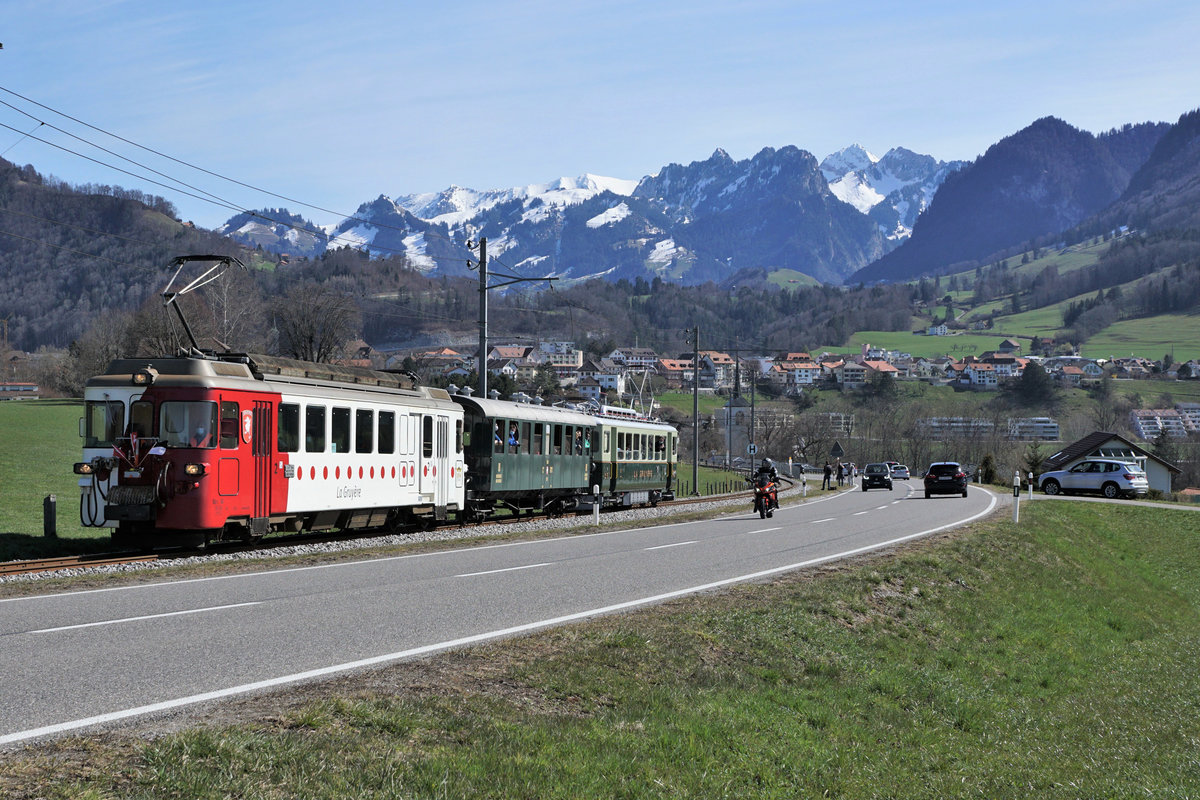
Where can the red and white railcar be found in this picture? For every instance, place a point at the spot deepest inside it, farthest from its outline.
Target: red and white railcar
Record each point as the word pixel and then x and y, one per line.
pixel 209 447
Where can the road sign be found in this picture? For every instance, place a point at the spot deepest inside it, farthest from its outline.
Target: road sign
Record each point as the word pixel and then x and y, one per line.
pixel 837 451
pixel 752 449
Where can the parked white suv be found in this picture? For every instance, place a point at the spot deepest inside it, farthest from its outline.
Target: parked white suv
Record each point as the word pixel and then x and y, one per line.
pixel 1106 476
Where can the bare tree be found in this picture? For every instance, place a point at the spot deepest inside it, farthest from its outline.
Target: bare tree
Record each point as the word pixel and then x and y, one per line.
pixel 315 322
pixel 236 303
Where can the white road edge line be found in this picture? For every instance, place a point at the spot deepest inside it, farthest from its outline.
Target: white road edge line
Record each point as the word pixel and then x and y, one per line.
pixel 283 680
pixel 147 616
pixel 674 544
pixel 506 569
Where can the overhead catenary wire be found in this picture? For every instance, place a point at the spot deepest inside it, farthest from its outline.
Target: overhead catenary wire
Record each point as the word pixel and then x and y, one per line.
pixel 214 199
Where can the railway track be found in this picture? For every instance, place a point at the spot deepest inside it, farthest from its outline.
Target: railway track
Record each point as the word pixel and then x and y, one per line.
pixel 67 562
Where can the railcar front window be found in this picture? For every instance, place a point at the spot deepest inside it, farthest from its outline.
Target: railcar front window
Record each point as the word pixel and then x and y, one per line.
pixel 141 417
pixel 188 424
pixel 104 421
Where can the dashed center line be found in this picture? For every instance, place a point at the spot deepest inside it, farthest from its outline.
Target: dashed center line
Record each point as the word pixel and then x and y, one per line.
pixel 673 544
pixel 506 569
pixel 138 619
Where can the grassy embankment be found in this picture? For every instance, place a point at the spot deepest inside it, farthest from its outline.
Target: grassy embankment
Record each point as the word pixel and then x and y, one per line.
pixel 1054 659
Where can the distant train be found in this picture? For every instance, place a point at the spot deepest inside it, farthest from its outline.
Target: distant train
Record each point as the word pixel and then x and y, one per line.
pixel 202 447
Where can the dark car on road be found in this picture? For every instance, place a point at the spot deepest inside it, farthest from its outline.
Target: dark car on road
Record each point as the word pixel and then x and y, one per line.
pixel 945 477
pixel 876 476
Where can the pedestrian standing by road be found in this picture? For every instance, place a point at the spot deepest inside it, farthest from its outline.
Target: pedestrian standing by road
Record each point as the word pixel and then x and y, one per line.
pixel 841 472
pixel 828 475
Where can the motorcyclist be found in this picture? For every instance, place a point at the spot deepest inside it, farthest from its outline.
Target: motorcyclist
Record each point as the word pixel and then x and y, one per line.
pixel 765 480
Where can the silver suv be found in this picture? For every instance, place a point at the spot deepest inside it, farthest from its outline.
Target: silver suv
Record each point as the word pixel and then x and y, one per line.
pixel 1106 476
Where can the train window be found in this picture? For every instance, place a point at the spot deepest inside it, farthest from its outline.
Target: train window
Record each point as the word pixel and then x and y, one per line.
pixel 141 417
pixel 314 429
pixel 644 440
pixel 607 442
pixel 103 422
pixel 364 430
pixel 387 431
pixel 498 440
pixel 187 423
pixel 230 423
pixel 288 435
pixel 339 430
pixel 459 436
pixel 536 443
pixel 556 439
pixel 660 448
pixel 427 436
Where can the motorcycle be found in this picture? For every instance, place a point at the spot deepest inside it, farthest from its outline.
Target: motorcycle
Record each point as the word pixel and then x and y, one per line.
pixel 766 495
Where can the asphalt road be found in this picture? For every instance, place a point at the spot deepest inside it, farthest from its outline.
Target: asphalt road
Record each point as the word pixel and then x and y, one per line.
pixel 75 660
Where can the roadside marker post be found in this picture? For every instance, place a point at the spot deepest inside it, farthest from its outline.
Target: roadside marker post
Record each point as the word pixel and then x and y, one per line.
pixel 1016 497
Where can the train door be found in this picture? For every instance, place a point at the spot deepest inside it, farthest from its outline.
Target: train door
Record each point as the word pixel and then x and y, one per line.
pixel 261 426
pixel 445 479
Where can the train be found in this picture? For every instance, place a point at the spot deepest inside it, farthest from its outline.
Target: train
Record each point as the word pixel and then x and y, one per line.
pixel 203 447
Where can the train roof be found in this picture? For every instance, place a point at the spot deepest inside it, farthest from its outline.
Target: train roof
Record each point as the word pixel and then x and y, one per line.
pixel 508 409
pixel 210 368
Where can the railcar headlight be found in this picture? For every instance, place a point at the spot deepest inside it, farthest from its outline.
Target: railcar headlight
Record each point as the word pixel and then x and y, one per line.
pixel 194 469
pixel 145 376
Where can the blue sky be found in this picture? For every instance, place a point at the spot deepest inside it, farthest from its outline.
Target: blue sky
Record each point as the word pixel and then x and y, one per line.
pixel 334 104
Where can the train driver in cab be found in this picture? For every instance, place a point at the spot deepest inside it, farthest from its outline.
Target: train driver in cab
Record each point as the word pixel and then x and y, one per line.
pixel 201 438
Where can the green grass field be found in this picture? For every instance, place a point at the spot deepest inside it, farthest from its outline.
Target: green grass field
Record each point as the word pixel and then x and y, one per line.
pixel 1153 337
pixel 791 279
pixel 40 445
pixel 1057 659
pixel 922 346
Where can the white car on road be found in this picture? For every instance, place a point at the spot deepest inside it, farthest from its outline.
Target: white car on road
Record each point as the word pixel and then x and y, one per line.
pixel 1107 476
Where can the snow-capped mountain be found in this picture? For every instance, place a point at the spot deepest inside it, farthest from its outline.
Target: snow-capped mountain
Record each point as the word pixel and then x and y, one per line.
pixel 892 190
pixel 707 220
pixel 457 205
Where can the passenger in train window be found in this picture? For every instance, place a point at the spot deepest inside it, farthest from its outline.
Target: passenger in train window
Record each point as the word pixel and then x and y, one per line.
pixel 514 441
pixel 579 442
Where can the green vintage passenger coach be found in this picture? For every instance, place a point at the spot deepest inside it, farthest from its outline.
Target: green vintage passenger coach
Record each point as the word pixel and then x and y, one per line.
pixel 523 457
